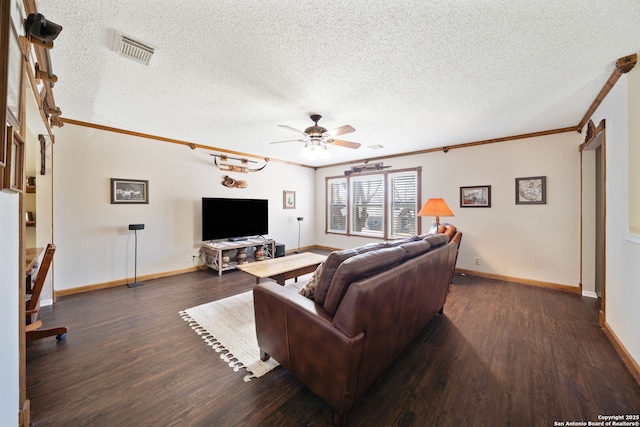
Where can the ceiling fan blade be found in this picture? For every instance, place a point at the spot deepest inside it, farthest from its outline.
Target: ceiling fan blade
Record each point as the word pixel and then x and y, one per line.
pixel 293 129
pixel 288 140
pixel 342 143
pixel 342 130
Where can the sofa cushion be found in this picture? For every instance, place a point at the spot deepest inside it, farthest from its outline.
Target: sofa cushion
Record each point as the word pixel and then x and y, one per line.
pixel 415 248
pixel 358 267
pixel 402 241
pixel 332 263
pixel 437 239
pixel 309 288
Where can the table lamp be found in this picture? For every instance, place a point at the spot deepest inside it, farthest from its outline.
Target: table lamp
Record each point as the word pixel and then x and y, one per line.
pixel 435 207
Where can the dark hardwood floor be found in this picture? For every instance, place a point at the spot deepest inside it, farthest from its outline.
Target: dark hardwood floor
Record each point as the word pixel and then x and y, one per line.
pixel 503 354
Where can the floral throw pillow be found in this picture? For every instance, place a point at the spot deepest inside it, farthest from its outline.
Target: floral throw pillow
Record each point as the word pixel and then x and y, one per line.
pixel 309 289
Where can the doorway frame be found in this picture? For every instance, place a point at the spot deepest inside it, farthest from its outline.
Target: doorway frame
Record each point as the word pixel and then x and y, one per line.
pixel 595 138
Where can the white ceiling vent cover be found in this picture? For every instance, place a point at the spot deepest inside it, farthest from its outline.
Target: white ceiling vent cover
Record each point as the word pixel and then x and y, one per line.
pixel 132 48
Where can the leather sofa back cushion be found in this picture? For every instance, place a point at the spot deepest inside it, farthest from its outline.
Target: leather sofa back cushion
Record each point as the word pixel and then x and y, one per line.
pixel 413 249
pixel 358 267
pixel 437 239
pixel 399 242
pixel 332 263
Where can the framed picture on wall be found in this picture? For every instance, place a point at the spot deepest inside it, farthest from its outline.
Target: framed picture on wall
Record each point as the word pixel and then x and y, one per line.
pixel 478 196
pixel 288 199
pixel 4 139
pixel 129 191
pixel 531 190
pixel 13 179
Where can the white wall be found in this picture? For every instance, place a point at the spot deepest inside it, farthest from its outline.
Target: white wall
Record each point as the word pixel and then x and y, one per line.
pixel 92 236
pixel 622 294
pixel 9 354
pixel 533 242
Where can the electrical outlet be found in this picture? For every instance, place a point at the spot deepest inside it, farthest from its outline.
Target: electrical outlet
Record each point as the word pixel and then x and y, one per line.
pixel 477 261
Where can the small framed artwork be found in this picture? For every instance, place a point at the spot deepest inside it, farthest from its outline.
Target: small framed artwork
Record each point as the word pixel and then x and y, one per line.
pixel 531 190
pixel 478 196
pixel 13 174
pixel 288 199
pixel 3 149
pixel 4 141
pixel 129 191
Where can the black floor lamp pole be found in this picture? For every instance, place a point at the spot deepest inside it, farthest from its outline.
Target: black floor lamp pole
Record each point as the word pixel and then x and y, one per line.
pixel 299 221
pixel 135 228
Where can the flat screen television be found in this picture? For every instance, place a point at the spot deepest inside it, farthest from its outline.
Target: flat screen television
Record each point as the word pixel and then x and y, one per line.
pixel 234 218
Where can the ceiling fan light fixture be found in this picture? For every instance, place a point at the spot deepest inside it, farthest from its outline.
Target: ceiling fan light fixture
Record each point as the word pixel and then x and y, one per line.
pixel 317 138
pixel 323 152
pixel 308 152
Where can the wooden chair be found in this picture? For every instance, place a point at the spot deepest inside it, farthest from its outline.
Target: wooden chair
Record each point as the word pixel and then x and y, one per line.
pixel 33 329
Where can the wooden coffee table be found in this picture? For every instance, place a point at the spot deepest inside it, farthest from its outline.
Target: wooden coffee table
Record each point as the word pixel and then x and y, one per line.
pixel 281 269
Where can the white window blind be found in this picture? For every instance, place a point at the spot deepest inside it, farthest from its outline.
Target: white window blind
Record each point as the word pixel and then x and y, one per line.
pixel 337 205
pixel 403 204
pixel 367 205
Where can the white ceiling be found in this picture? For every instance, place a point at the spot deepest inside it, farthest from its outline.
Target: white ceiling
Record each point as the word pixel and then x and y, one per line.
pixel 408 75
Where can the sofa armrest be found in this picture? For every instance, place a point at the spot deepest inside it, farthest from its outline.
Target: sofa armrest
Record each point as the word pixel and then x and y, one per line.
pixel 269 305
pixel 300 335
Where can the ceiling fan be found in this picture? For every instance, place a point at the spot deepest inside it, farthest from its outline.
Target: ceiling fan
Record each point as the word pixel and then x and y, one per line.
pixel 316 138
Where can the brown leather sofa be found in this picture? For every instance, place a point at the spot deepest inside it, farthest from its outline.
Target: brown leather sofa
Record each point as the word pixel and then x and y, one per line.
pixel 369 304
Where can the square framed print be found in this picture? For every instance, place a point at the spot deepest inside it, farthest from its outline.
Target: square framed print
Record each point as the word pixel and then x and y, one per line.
pixel 130 191
pixel 288 199
pixel 478 196
pixel 531 190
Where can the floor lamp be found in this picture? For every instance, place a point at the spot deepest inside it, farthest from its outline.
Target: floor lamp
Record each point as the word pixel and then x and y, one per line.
pixel 299 221
pixel 435 207
pixel 135 284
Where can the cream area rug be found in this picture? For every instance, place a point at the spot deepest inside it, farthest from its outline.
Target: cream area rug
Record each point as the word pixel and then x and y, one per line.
pixel 228 326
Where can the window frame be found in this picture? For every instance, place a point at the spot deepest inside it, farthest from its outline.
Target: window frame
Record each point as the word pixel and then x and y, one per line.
pixel 388 231
pixel 329 206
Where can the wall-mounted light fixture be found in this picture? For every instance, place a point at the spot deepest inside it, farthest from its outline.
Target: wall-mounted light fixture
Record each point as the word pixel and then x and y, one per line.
pixel 36 25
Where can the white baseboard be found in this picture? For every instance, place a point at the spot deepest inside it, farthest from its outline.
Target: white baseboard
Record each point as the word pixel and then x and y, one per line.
pixel 589 294
pixel 46 302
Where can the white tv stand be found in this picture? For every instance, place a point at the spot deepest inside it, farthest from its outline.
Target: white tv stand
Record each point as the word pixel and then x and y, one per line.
pixel 211 252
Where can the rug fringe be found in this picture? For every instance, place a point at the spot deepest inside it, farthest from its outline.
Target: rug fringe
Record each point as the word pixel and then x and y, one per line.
pixel 212 342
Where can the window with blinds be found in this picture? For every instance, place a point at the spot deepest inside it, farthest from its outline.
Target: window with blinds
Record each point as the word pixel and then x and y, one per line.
pixel 367 205
pixel 381 204
pixel 403 204
pixel 337 205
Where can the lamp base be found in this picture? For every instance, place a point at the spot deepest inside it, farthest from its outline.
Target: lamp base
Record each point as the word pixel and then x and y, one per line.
pixel 134 284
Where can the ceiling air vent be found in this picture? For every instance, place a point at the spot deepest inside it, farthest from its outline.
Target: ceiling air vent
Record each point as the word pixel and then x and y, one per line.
pixel 132 48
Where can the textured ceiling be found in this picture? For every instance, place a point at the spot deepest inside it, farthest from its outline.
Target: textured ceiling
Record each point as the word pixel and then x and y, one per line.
pixel 408 75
